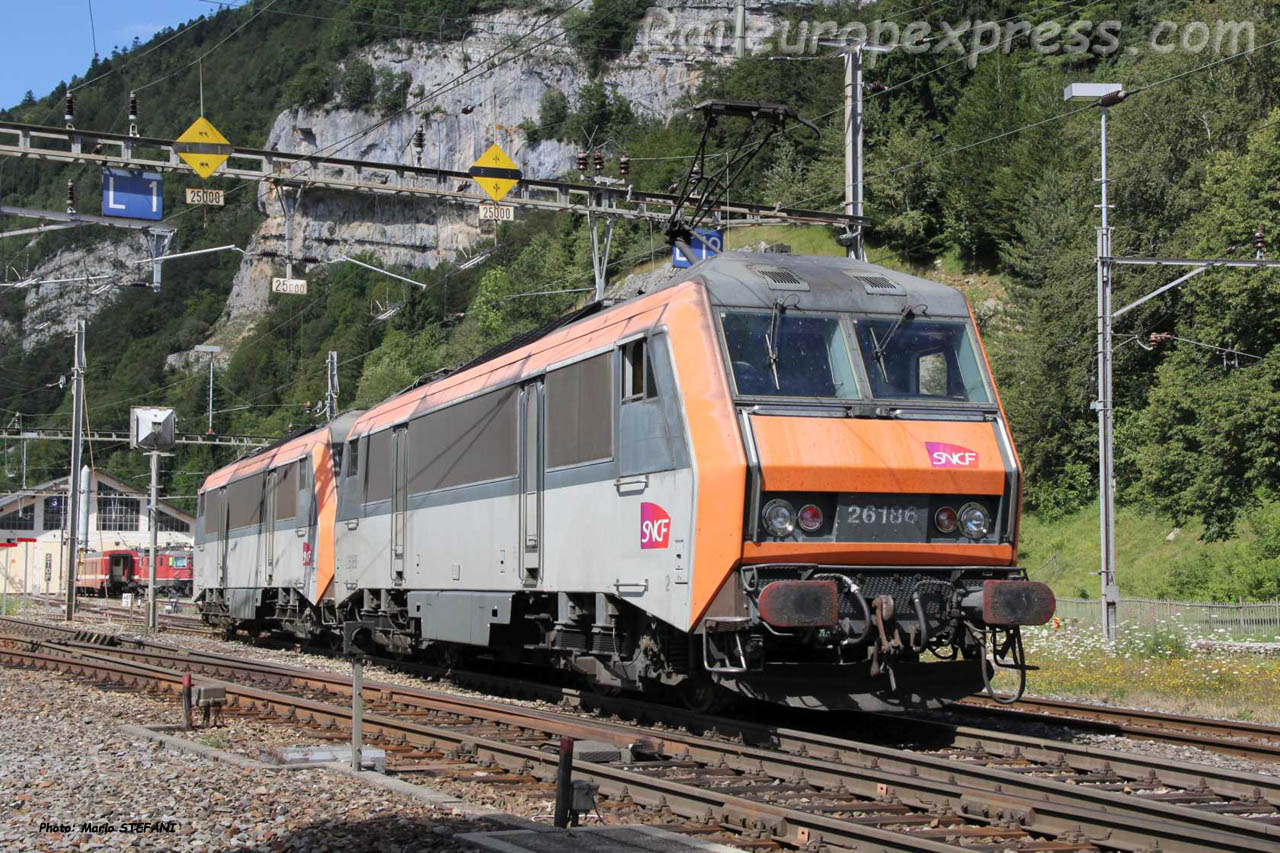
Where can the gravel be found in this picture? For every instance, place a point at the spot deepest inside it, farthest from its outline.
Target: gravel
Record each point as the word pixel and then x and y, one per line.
pixel 66 764
pixel 518 803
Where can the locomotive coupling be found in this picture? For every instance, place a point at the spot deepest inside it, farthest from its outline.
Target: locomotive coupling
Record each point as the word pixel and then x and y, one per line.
pixel 1005 603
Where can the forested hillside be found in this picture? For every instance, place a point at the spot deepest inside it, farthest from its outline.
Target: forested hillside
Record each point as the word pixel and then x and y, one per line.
pixel 976 168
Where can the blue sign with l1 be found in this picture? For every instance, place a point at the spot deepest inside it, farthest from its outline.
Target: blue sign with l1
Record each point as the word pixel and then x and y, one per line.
pixel 132 194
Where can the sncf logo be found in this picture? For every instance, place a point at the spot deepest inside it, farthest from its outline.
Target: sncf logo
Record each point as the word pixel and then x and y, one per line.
pixel 943 455
pixel 655 526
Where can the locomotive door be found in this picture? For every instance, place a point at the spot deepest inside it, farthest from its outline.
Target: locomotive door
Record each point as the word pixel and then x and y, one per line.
pixel 225 512
pixel 269 524
pixel 531 466
pixel 399 501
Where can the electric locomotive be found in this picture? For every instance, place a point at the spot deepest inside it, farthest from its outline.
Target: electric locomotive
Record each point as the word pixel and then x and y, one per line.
pixel 784 477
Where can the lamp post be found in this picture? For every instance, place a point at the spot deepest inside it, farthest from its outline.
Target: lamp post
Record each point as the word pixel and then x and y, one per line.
pixel 1104 95
pixel 213 353
pixel 853 172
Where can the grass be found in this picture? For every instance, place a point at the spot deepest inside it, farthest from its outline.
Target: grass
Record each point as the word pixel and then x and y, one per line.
pixel 1158 668
pixel 1063 552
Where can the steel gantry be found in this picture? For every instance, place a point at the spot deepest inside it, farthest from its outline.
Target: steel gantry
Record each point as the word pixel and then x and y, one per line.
pixel 68 145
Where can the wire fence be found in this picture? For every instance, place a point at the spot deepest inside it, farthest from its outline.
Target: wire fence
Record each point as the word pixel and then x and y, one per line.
pixel 1238 621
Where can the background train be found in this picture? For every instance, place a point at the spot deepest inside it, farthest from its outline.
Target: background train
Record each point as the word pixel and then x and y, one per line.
pixel 110 573
pixel 786 477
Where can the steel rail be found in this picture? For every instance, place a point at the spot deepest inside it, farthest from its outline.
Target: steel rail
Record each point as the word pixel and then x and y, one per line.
pixel 1227 782
pixel 1218 735
pixel 924 777
pixel 797 826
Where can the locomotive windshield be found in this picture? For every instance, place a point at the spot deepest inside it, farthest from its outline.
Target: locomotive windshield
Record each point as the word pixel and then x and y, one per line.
pixel 784 354
pixel 915 358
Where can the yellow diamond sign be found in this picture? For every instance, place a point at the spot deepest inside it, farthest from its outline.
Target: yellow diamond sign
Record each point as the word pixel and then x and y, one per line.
pixel 495 172
pixel 202 147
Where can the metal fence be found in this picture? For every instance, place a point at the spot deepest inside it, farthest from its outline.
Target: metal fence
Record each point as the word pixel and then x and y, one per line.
pixel 1240 621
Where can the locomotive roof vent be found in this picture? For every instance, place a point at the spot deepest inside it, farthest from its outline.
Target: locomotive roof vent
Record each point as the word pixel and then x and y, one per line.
pixel 780 279
pixel 878 285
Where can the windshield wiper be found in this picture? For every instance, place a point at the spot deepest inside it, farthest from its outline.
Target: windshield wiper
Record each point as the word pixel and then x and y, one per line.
pixel 882 345
pixel 771 340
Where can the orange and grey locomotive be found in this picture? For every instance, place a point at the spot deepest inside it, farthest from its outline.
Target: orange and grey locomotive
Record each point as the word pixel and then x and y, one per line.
pixel 785 477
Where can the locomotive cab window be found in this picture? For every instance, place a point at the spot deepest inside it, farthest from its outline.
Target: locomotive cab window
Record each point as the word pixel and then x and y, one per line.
pixel 637 372
pixel 915 358
pixel 784 353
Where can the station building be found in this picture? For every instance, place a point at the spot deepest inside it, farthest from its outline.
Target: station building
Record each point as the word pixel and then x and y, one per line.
pixel 116 518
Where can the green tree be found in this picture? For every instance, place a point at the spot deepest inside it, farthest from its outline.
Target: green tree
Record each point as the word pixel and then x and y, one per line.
pixel 393 90
pixel 358 84
pixel 604 32
pixel 310 86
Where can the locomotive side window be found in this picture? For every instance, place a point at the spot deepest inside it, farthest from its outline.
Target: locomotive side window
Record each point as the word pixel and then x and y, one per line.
pixel 286 492
pixel 377 468
pixel 471 442
pixel 637 372
pixel 785 354
pixel 215 513
pixel 915 358
pixel 580 412
pixel 244 497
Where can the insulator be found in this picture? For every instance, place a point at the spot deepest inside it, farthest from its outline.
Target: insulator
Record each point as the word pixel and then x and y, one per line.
pixel 419 140
pixel 624 165
pixel 597 160
pixel 1259 240
pixel 695 174
pixel 133 106
pixel 1112 98
pixel 71 197
pixel 582 161
pixel 69 113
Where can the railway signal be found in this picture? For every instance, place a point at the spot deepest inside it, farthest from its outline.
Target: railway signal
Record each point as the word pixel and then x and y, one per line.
pixel 202 147
pixel 495 172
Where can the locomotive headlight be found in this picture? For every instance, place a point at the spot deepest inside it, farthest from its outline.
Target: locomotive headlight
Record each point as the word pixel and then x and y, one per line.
pixel 975 523
pixel 779 517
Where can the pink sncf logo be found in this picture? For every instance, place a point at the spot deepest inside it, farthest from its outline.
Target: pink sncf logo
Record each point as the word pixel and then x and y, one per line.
pixel 943 455
pixel 655 526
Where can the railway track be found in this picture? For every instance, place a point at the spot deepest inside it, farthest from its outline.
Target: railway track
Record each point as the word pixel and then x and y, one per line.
pixel 1248 740
pixel 767 787
pixel 176 623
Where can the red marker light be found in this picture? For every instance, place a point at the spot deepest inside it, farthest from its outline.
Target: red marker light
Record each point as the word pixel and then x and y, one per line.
pixel 945 519
pixel 809 518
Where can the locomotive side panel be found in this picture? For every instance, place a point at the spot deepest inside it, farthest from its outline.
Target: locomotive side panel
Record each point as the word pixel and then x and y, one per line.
pixel 638 501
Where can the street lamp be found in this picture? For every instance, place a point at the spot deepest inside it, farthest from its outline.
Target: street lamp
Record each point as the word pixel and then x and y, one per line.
pixel 853 119
pixel 213 353
pixel 1104 95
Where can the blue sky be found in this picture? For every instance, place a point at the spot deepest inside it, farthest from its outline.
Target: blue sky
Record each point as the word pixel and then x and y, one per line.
pixel 50 40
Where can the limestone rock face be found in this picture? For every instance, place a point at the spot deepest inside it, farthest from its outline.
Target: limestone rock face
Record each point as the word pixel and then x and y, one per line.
pixel 77 283
pixel 473 93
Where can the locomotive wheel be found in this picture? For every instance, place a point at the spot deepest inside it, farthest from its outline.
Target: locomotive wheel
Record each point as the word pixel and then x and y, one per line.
pixel 702 696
